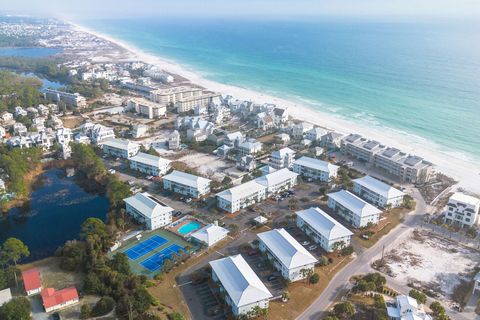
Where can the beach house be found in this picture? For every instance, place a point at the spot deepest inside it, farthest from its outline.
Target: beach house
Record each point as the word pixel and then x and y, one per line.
pixel 149 164
pixel 462 210
pixel 147 108
pixel 243 290
pixel 353 209
pixel 148 210
pixel 377 192
pixel 323 229
pixel 186 184
pixel 406 308
pixel 315 169
pixel 282 158
pixel 288 256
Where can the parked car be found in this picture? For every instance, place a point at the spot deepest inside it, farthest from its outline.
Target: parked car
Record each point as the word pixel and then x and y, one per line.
pixel 111 171
pixel 252 252
pixel 188 200
pixel 312 247
pixel 272 277
pixel 149 177
pixel 306 242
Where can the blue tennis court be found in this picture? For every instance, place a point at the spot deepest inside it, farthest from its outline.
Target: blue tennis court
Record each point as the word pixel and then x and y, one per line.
pixel 145 247
pixel 155 262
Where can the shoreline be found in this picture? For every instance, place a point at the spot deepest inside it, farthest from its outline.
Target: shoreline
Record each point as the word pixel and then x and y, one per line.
pixel 450 162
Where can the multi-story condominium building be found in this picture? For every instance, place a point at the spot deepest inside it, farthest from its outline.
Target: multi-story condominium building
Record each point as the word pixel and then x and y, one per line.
pixel 315 134
pixel 149 164
pixel 255 191
pixel 187 184
pixel 406 308
pixel 148 210
pixel 71 99
pixel 315 169
pixel 242 196
pixel 288 256
pixel 250 146
pixel 189 103
pixel 353 209
pixel 244 291
pixel 282 158
pixel 407 168
pixel 170 95
pixel 97 132
pixel 120 148
pixel 323 229
pixel 377 192
pixel 462 210
pixel 278 181
pixel 174 140
pixel 147 108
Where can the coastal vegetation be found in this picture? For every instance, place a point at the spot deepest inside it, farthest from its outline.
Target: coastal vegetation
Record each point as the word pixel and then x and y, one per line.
pixel 16 91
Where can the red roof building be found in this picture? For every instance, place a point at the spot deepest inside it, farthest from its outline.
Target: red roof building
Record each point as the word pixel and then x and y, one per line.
pixel 54 300
pixel 31 281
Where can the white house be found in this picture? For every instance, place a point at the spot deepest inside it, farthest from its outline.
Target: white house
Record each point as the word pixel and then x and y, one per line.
pixel 282 158
pixel 148 210
pixel 250 146
pixel 406 308
pixel 174 140
pixel 234 139
pixel 6 116
pixel 210 234
pixel 147 108
pixel 186 184
pixel 64 135
pixel 300 130
pixel 462 210
pixel 2 186
pixel 243 289
pixel 315 169
pixel 120 148
pixel 353 209
pixel 378 192
pixel 323 229
pixel 5 296
pixel 149 164
pixel 289 257
pixel 280 116
pixel 315 134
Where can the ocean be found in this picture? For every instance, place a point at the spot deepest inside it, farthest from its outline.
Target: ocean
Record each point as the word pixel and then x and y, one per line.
pixel 417 78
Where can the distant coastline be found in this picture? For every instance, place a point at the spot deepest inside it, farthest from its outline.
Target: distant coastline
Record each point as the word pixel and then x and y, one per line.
pixel 455 164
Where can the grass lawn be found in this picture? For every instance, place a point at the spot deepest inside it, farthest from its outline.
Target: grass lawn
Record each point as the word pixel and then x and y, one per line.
pixel 392 219
pixel 303 294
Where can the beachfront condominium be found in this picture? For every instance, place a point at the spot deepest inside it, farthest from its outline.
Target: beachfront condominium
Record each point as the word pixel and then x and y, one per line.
pixel 120 148
pixel 186 184
pixel 353 209
pixel 242 288
pixel 255 191
pixel 282 158
pixel 323 229
pixel 147 108
pixel 462 210
pixel 148 210
pixel 377 192
pixel 184 98
pixel 149 164
pixel 70 99
pixel 190 103
pixel 315 169
pixel 406 168
pixel 289 257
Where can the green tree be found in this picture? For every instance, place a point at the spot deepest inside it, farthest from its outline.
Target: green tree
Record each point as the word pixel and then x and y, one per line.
pixel 314 278
pixel 120 263
pixel 16 309
pixel 419 296
pixel 13 250
pixel 344 309
pixel 85 311
pixel 175 316
pixel 103 306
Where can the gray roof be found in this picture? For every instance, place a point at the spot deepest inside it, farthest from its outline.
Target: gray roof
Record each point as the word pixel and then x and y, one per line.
pixel 147 205
pixel 324 224
pixel 186 179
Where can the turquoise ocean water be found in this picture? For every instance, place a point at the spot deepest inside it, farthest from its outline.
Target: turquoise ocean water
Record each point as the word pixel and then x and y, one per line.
pixel 418 78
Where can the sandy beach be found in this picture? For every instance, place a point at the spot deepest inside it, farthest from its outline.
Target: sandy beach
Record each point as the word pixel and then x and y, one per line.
pixel 456 165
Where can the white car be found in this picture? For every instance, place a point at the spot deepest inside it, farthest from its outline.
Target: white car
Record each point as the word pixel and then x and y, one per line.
pixel 111 171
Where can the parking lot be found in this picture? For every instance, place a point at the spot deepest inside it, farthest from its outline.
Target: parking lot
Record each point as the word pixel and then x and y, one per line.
pixel 305 241
pixel 271 278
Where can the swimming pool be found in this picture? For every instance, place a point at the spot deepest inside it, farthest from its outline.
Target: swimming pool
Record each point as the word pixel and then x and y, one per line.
pixel 189 227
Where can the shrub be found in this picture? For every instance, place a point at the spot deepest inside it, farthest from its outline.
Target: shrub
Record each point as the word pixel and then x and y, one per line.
pixel 85 311
pixel 103 306
pixel 419 296
pixel 314 278
pixel 347 251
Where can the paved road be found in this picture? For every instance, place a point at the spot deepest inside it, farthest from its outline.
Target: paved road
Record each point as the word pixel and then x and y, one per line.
pixel 360 265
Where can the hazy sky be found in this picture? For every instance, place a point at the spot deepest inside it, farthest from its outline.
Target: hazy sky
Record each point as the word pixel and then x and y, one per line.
pixel 274 8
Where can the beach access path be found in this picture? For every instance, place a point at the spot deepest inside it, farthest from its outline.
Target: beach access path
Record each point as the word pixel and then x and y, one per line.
pixel 362 264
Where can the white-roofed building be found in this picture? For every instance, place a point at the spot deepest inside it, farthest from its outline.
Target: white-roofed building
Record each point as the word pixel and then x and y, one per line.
pixel 210 234
pixel 148 210
pixel 120 148
pixel 278 181
pixel 244 291
pixel 241 196
pixel 255 191
pixel 315 169
pixel 300 130
pixel 462 210
pixel 282 158
pixel 287 254
pixel 147 108
pixel 323 229
pixel 187 184
pixel 378 192
pixel 250 146
pixel 406 308
pixel 149 164
pixel 353 209
pixel 316 134
pixel 98 133
pixel 5 296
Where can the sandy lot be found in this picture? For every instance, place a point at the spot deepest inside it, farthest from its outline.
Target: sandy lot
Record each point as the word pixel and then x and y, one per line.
pixel 431 262
pixel 207 165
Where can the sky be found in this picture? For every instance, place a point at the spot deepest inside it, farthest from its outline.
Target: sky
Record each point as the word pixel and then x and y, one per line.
pixel 81 9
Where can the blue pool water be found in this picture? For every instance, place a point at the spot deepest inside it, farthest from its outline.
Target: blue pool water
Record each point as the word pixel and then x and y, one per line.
pixel 189 227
